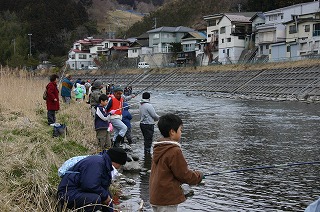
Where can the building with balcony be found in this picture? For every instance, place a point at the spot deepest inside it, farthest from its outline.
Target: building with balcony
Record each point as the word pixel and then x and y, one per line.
pixel 161 39
pixel 271 36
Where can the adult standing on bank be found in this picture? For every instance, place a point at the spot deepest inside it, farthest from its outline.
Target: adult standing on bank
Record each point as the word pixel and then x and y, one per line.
pixel 94 95
pixel 66 89
pixel 148 117
pixel 115 107
pixel 52 100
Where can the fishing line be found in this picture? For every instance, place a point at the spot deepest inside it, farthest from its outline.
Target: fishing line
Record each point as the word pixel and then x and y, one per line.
pixel 263 167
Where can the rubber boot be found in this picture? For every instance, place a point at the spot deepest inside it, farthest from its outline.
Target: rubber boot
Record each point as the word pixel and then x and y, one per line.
pixel 117 142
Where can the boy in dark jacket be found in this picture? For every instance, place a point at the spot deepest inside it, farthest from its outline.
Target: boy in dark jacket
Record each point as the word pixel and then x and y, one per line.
pixel 101 123
pixel 169 168
pixel 86 186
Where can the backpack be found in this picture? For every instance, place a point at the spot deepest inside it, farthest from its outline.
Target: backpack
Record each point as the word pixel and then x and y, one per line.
pixel 59 130
pixel 68 164
pixel 45 94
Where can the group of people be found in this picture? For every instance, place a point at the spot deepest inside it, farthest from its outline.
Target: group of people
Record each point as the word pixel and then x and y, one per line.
pixel 86 185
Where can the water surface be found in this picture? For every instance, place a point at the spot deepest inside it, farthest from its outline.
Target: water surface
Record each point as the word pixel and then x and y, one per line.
pixel 228 134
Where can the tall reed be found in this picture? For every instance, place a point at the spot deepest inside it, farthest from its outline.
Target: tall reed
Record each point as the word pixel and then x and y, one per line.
pixel 29 155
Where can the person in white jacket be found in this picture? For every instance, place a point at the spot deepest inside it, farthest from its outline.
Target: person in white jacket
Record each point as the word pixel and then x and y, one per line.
pixel 148 117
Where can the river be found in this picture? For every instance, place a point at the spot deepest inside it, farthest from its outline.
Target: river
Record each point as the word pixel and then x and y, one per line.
pixel 228 134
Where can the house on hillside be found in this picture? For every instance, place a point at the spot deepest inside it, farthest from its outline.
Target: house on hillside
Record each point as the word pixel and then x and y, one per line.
pixel 228 35
pixel 88 51
pixel 83 53
pixel 192 46
pixel 140 46
pixel 271 36
pixel 303 36
pixel 159 52
pixel 160 39
pixel 257 20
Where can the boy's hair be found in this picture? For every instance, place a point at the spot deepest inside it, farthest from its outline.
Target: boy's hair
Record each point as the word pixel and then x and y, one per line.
pixel 103 97
pixel 169 122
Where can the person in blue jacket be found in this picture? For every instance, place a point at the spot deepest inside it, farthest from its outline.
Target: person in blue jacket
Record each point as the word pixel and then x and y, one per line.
pixel 126 119
pixel 66 89
pixel 86 185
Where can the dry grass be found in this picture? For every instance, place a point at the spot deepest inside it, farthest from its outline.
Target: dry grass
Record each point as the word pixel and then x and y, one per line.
pixel 29 155
pixel 118 19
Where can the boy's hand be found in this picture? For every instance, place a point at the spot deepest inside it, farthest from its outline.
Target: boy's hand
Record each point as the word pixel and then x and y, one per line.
pixel 112 112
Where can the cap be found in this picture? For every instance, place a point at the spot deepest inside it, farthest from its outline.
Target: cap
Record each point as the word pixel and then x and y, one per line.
pixel 146 95
pixel 97 84
pixel 117 88
pixel 117 155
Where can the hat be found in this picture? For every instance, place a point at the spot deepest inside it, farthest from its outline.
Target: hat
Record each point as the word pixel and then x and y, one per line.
pixel 117 88
pixel 97 84
pixel 146 95
pixel 117 155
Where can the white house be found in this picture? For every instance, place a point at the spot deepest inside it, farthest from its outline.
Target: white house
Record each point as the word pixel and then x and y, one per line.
pixel 227 33
pixel 87 51
pixel 271 36
pixel 83 53
pixel 140 46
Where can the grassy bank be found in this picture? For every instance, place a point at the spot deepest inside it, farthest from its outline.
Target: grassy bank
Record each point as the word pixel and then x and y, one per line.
pixel 29 155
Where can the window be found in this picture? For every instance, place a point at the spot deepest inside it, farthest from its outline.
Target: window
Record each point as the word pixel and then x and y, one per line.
pixel 212 23
pixel 288 48
pixel 272 17
pixel 222 30
pixel 134 51
pixel 156 36
pixel 228 52
pixel 228 39
pixel 82 56
pixel 115 44
pixel 292 29
pixel 307 28
pixel 267 46
pixel 222 40
pixel 316 29
pixel 106 45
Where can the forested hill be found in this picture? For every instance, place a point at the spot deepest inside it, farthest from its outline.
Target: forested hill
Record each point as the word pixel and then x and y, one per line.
pixel 37 30
pixel 190 13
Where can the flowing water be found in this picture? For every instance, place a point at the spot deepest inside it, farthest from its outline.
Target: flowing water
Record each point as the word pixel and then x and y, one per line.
pixel 228 134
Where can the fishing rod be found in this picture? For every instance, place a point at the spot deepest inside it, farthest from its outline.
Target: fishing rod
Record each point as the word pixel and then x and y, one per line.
pixel 61 77
pixel 263 167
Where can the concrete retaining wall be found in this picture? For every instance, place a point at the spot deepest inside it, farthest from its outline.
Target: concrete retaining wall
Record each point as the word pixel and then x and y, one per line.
pixel 294 84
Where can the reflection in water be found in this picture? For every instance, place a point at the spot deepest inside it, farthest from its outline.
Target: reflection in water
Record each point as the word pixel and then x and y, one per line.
pixel 144 186
pixel 224 134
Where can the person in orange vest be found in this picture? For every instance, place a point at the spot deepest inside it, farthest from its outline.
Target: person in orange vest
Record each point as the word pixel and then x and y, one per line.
pixel 115 107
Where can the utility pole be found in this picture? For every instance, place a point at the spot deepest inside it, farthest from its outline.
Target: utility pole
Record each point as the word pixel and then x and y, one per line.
pixel 30 44
pixel 239 8
pixel 155 23
pixel 14 46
